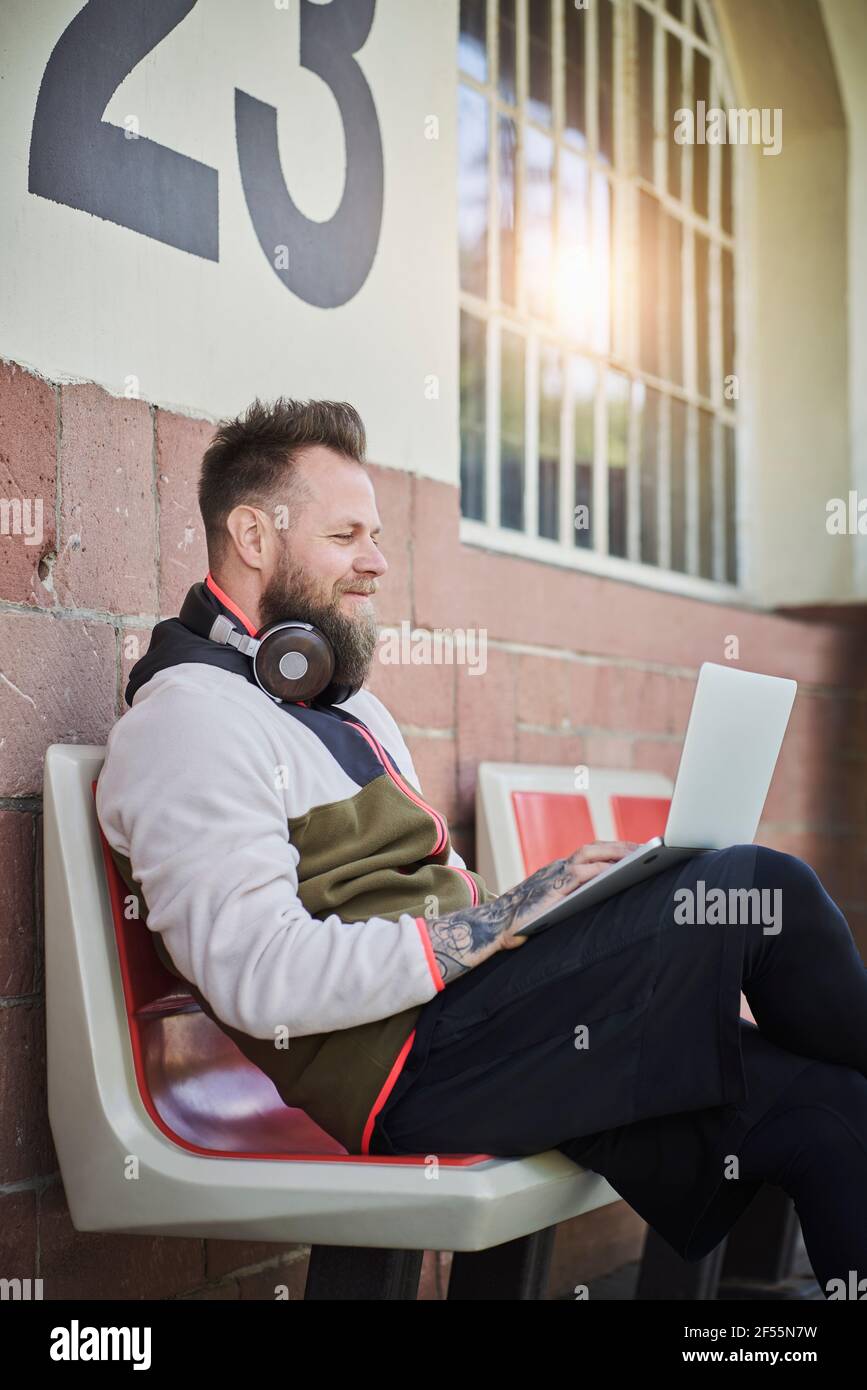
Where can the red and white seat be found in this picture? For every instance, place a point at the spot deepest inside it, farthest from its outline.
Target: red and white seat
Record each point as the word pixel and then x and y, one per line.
pixel 162 1127
pixel 529 814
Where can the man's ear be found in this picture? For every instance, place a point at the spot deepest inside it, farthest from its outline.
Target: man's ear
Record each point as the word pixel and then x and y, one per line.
pixel 248 529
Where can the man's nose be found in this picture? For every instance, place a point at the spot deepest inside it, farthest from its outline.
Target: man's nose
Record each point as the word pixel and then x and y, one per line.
pixel 372 561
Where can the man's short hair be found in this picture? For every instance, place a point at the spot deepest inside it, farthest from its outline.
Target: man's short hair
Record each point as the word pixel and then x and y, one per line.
pixel 251 459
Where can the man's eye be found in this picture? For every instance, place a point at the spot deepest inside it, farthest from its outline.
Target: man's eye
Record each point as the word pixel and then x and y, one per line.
pixel 344 538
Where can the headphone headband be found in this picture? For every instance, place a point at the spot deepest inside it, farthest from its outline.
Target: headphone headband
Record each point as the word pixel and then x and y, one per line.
pixel 223 630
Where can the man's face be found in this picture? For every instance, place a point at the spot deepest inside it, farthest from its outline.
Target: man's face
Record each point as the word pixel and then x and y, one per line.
pixel 328 561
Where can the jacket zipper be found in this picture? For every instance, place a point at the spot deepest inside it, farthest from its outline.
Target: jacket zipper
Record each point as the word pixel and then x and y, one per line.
pixel 442 833
pixel 474 887
pixel 439 820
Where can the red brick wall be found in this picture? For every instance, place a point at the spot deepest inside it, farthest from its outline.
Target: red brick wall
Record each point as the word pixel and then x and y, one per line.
pixel 580 670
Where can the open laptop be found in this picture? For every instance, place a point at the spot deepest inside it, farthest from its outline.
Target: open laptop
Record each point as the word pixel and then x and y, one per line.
pixel 733 738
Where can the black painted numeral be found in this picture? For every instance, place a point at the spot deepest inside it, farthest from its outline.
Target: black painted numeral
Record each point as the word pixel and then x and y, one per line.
pixel 328 262
pixel 81 160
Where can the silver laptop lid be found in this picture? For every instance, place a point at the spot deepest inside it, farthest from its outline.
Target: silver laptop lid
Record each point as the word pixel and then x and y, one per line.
pixel 735 730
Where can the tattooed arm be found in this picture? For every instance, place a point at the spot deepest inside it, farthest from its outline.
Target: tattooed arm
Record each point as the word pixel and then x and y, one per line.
pixel 461 940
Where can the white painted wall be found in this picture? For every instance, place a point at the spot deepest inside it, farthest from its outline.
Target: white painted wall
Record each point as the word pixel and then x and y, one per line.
pixel 84 298
pixel 793 357
pixel 846 23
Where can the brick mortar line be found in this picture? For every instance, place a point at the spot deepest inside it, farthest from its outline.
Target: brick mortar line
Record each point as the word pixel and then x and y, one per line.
pixel 562 654
pixel 291 1256
pixel 38 963
pixel 592 730
pixel 155 491
pixel 118 670
pixel 36 1184
pixel 58 484
pixel 567 730
pixel 847 830
pixel 426 731
pixel 91 615
pixel 637 664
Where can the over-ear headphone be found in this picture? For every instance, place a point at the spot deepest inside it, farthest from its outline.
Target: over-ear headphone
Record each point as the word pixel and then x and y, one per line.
pixel 292 661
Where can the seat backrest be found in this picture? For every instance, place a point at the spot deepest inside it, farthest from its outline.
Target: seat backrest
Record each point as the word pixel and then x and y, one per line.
pixel 206 1094
pixel 123 1032
pixel 191 1078
pixel 550 825
pixel 639 818
pixel 148 986
pixel 529 814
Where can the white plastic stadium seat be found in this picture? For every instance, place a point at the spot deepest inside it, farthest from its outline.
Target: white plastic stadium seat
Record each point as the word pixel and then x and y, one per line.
pixel 163 1128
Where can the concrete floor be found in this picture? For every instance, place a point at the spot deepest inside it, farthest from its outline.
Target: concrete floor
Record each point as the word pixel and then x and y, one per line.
pixel 619 1285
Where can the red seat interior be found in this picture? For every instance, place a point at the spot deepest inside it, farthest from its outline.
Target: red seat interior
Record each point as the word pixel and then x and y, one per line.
pixel 550 826
pixel 639 818
pixel 205 1095
pixel 196 1085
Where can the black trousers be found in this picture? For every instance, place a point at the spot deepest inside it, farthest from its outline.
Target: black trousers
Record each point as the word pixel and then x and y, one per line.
pixel 615 1036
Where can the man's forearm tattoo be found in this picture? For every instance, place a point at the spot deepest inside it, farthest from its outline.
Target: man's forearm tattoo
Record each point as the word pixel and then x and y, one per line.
pixel 458 937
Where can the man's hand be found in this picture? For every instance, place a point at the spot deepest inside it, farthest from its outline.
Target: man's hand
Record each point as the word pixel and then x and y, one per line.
pixel 591 859
pixel 578 868
pixel 463 939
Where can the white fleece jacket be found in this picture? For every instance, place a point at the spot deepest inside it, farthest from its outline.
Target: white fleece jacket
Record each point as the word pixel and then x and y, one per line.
pixel 190 793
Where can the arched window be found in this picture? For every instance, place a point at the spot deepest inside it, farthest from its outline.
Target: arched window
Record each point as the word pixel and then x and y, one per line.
pixel 597 288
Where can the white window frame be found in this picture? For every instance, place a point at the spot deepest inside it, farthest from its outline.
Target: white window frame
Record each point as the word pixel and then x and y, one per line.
pixel 622 356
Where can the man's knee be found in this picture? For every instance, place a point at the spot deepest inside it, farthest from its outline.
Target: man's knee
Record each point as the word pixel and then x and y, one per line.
pixel 819 1123
pixel 800 894
pixel 828 1107
pixel 776 868
pixel 840 1090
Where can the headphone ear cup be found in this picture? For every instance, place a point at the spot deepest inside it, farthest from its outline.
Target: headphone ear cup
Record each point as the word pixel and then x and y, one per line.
pixel 336 694
pixel 295 661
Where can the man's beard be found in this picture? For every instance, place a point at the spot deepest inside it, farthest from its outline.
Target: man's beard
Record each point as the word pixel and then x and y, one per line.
pixel 289 595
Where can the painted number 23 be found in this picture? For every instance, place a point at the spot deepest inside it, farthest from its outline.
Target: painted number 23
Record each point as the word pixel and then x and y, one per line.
pixel 78 159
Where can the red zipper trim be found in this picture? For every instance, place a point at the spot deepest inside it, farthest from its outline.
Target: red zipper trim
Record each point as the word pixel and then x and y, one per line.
pixel 470 880
pixel 439 821
pixel 211 583
pixel 388 1087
